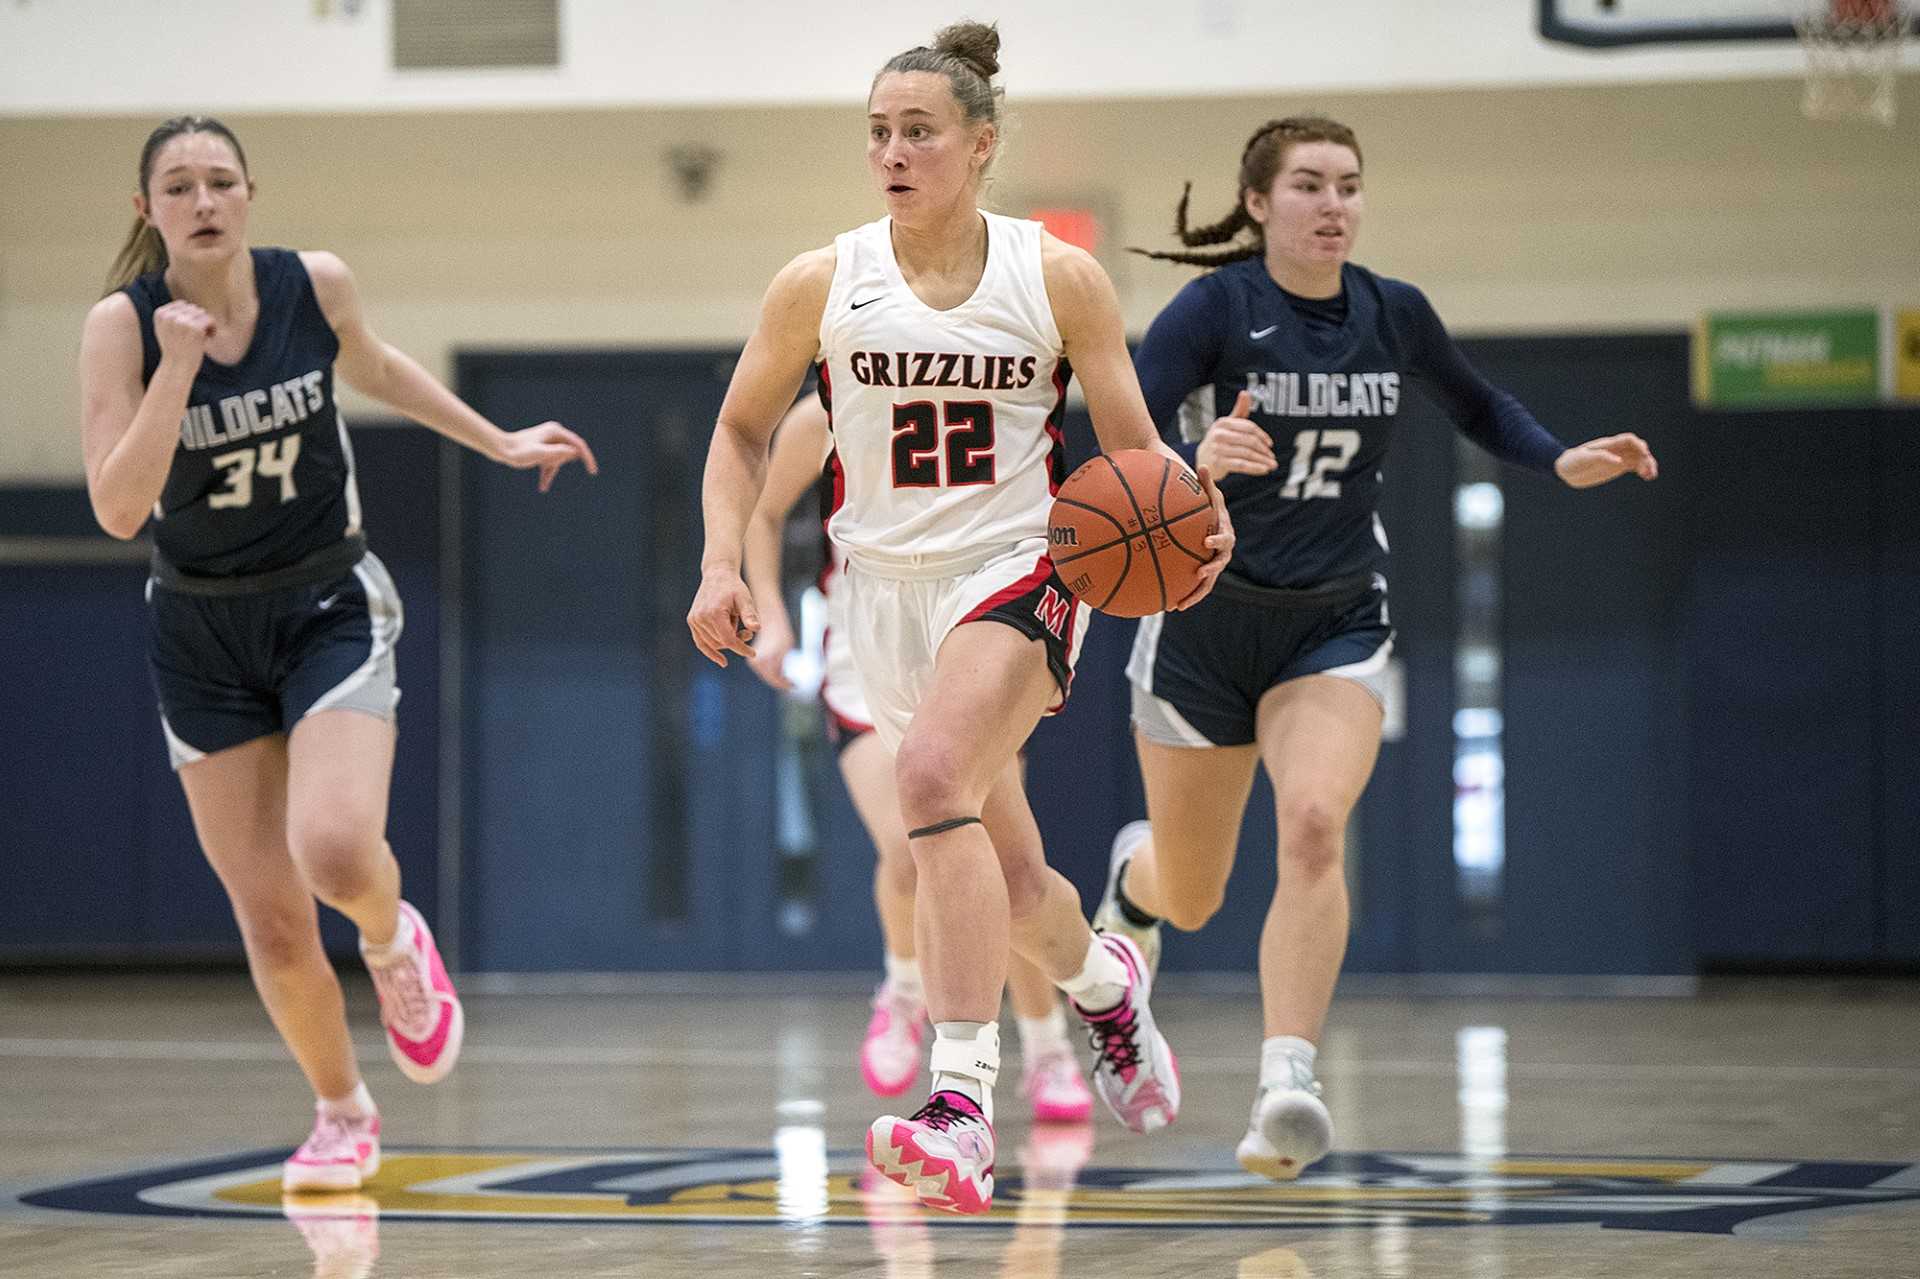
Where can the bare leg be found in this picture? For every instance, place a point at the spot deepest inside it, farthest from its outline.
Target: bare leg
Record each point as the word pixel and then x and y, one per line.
pixel 868 772
pixel 990 685
pixel 239 802
pixel 1319 737
pixel 1196 797
pixel 340 764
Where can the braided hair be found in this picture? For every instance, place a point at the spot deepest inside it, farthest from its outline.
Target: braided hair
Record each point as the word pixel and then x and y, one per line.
pixel 1260 161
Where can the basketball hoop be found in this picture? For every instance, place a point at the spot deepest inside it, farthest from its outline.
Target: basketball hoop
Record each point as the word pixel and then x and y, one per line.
pixel 1853 53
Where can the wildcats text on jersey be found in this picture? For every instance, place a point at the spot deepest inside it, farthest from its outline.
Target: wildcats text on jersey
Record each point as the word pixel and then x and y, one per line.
pixel 1326 394
pixel 943 368
pixel 271 408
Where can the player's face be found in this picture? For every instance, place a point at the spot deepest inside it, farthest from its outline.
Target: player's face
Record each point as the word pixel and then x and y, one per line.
pixel 1312 211
pixel 197 197
pixel 921 151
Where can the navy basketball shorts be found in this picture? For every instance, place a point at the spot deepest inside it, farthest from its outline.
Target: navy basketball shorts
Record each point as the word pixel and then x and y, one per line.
pixel 898 624
pixel 231 668
pixel 1198 675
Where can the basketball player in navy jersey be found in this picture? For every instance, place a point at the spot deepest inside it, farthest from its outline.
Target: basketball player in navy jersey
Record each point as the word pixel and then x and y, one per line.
pixel 207 383
pixel 890 1054
pixel 1282 664
pixel 943 336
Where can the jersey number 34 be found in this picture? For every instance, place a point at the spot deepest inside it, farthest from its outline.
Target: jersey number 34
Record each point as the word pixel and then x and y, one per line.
pixel 272 460
pixel 918 445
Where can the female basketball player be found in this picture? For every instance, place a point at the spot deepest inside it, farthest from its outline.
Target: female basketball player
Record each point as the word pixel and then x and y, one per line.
pixel 890 1057
pixel 1281 665
pixel 208 407
pixel 943 336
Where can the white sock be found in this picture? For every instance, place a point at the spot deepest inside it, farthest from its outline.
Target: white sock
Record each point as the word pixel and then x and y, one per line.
pixel 904 975
pixel 357 1104
pixel 399 944
pixel 1038 1034
pixel 1101 982
pixel 1278 1056
pixel 982 1045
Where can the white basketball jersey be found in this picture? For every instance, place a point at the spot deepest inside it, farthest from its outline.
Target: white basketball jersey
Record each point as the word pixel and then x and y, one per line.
pixel 946 425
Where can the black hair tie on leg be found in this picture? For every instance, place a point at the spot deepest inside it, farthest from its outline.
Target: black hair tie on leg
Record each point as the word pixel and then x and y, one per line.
pixel 940 828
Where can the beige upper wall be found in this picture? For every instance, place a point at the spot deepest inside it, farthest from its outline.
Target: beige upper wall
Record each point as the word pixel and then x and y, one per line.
pixel 1601 207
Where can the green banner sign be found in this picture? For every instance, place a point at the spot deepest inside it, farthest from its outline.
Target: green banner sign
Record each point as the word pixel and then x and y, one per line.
pixel 1786 359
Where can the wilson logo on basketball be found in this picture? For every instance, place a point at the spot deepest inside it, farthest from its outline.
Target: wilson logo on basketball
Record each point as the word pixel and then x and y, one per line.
pixel 1064 536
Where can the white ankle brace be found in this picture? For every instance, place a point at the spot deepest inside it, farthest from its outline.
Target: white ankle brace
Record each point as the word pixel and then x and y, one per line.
pixel 977 1058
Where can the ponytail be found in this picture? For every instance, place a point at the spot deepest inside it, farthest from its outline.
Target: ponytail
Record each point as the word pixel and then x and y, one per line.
pixel 1260 161
pixel 144 252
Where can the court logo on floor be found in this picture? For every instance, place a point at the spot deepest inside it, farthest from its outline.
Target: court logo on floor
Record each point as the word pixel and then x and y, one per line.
pixel 803 1181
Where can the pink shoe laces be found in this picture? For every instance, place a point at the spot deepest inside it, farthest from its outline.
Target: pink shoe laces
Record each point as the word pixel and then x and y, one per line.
pixel 332 1138
pixel 402 987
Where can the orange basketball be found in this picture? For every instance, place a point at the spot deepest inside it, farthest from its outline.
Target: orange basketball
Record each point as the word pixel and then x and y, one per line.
pixel 1129 532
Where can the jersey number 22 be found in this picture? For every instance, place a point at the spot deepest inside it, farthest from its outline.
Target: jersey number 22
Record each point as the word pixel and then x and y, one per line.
pixel 917 443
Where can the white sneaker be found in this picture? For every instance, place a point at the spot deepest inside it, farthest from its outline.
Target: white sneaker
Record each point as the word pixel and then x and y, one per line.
pixel 1290 1128
pixel 1109 918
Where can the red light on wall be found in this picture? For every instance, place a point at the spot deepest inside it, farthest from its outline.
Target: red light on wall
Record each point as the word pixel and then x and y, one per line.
pixel 1078 227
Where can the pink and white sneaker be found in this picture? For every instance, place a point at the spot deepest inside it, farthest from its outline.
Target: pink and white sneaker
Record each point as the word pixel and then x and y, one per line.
pixel 1051 1083
pixel 340 1154
pixel 1134 1071
pixel 418 1006
pixel 890 1055
pixel 944 1152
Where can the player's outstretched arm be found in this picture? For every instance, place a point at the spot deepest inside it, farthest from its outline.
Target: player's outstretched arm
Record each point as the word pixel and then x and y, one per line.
pixel 376 368
pixel 799 446
pixel 723 619
pixel 1604 459
pixel 1087 312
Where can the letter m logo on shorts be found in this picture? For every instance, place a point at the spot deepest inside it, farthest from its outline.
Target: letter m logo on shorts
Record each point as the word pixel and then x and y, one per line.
pixel 1054 611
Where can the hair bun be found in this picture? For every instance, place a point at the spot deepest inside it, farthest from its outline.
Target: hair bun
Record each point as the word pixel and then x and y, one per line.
pixel 975 43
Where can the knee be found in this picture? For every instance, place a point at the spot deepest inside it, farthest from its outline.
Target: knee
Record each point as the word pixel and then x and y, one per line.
pixel 337 855
pixel 1190 914
pixel 1027 884
pixel 1312 836
pixel 930 777
pixel 278 937
pixel 1189 908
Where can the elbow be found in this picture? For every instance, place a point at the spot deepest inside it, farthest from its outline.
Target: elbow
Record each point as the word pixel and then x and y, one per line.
pixel 122 525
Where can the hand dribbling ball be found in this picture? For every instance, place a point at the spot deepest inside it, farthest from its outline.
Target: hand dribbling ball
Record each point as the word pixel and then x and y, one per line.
pixel 1129 531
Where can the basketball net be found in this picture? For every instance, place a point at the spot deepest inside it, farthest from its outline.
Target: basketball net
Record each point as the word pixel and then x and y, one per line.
pixel 1853 54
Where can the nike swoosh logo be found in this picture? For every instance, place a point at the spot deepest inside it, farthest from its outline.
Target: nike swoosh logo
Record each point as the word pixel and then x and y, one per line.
pixel 857 305
pixel 1257 334
pixel 330 601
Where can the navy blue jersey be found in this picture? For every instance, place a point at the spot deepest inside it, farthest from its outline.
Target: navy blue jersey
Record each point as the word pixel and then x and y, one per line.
pixel 263 474
pixel 1327 378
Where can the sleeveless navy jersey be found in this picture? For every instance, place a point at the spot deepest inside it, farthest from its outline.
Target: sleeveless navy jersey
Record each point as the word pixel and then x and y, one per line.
pixel 263 474
pixel 1328 380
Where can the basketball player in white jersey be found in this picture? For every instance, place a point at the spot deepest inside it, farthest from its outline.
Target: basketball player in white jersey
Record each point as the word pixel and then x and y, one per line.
pixel 890 1054
pixel 943 336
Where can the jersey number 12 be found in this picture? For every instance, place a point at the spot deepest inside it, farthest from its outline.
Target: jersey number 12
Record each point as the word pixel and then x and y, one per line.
pixel 1308 477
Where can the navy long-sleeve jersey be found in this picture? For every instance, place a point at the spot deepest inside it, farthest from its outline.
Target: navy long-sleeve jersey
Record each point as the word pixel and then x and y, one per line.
pixel 1327 378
